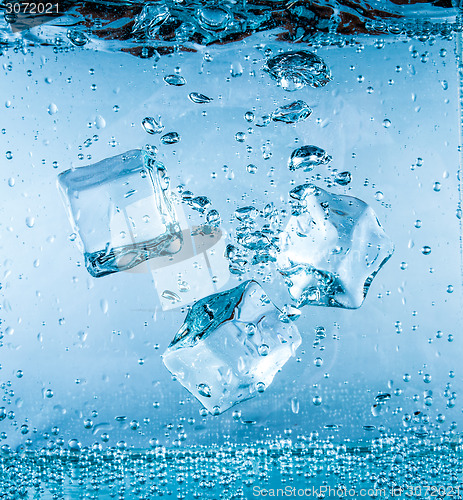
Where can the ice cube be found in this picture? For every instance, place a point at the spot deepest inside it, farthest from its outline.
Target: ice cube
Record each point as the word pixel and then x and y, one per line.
pixel 121 211
pixel 331 249
pixel 231 346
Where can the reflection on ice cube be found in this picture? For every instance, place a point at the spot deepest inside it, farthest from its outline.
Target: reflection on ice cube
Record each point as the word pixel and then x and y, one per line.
pixel 121 211
pixel 198 269
pixel 231 346
pixel 331 249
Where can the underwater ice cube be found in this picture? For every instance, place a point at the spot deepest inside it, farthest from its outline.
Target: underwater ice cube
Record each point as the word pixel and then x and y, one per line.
pixel 120 209
pixel 331 249
pixel 231 346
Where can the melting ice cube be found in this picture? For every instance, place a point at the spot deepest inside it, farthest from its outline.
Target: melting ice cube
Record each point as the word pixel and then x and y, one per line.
pixel 231 346
pixel 331 249
pixel 121 211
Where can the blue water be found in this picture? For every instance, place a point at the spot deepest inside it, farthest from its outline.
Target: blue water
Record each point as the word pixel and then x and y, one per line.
pixel 371 397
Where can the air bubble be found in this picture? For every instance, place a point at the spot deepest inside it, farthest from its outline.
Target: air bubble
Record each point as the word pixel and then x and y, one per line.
pixel 52 109
pixel 252 169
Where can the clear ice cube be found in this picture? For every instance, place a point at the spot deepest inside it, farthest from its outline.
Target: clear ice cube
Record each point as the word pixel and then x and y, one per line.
pixel 121 211
pixel 331 249
pixel 231 346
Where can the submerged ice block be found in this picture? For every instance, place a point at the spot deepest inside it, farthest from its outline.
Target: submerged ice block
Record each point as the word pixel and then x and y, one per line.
pixel 120 209
pixel 331 249
pixel 231 346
